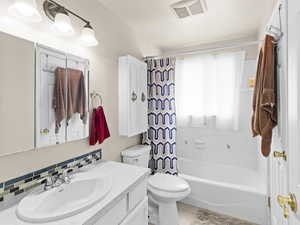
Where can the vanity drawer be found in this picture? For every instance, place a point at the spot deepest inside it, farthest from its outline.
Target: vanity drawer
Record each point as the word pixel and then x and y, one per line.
pixel 115 215
pixel 137 195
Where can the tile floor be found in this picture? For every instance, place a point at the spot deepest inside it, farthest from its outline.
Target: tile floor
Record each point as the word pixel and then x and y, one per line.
pixel 189 215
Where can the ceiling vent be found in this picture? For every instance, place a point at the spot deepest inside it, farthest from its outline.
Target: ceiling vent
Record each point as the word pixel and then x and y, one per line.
pixel 186 8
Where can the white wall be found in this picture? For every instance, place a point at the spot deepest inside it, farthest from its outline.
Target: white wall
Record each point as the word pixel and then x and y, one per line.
pixel 115 39
pixel 243 149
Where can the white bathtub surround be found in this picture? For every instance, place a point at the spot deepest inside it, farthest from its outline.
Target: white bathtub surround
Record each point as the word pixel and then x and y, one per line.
pixel 224 168
pixel 244 148
pixel 229 190
pixel 161 135
pixel 127 196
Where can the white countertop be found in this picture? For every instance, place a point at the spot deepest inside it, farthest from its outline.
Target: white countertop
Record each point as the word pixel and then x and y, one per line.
pixel 124 178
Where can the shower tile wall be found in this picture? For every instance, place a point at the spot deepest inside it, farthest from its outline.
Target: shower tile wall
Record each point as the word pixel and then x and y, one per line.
pixel 233 148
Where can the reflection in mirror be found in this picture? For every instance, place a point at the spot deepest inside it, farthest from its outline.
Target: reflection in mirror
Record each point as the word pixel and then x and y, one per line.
pixel 61 96
pixel 16 95
pixel 77 126
pixel 46 132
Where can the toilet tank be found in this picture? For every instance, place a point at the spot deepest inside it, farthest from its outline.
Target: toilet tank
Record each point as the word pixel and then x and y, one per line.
pixel 137 155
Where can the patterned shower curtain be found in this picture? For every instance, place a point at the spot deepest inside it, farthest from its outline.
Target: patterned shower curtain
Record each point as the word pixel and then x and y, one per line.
pixel 161 135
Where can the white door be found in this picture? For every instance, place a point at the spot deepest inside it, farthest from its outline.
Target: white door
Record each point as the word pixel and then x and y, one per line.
pixel 278 170
pixel 285 174
pixel 293 104
pixel 47 62
pixel 76 128
pixel 278 178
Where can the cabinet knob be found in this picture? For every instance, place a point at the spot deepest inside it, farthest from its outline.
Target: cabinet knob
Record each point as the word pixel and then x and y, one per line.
pixel 143 97
pixel 133 96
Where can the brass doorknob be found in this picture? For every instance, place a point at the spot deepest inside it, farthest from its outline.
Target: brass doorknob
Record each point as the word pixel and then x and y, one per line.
pixel 280 155
pixel 290 200
pixel 286 212
pixel 45 131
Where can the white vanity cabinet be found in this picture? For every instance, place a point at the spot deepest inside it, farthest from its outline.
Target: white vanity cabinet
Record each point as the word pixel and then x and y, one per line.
pixel 126 202
pixel 133 103
pixel 132 209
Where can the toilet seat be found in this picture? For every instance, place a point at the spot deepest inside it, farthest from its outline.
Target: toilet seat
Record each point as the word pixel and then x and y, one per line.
pixel 167 183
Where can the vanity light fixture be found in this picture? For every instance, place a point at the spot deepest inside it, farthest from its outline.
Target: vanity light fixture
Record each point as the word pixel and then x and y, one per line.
pixel 62 22
pixel 25 9
pixel 60 15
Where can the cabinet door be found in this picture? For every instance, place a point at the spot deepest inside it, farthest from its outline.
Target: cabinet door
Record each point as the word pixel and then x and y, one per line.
pixel 114 216
pixel 139 216
pixel 143 98
pixel 133 98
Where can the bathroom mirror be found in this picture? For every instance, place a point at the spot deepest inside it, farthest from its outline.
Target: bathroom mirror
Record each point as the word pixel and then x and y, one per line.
pixel 43 96
pixel 16 94
pixel 61 97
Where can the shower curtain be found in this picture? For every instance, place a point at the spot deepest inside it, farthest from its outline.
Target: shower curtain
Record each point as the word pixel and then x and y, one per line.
pixel 161 135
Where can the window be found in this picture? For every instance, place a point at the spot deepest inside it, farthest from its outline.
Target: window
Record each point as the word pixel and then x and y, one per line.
pixel 207 90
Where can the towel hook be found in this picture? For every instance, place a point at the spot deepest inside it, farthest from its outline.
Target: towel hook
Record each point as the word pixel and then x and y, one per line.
pixel 277 31
pixel 95 96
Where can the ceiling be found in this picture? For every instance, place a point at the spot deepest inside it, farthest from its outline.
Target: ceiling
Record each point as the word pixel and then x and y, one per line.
pixel 154 21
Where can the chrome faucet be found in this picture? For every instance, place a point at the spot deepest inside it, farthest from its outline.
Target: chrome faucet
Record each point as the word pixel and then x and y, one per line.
pixel 66 177
pixel 61 179
pixel 48 183
pixel 56 181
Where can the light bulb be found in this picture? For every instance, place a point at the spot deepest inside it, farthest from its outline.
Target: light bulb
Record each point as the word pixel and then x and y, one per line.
pixel 88 37
pixel 26 10
pixel 62 23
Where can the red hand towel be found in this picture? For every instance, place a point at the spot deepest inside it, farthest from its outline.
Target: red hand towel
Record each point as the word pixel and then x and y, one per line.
pixel 99 128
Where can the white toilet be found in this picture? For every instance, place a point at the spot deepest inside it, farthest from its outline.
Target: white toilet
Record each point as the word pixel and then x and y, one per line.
pixel 163 190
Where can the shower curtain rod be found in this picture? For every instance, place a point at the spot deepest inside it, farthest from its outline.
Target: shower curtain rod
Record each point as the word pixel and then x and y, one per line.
pixel 205 50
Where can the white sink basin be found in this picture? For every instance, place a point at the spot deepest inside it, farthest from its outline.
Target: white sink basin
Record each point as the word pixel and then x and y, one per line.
pixel 64 201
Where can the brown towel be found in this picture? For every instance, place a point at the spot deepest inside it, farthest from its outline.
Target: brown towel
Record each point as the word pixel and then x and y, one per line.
pixel 264 117
pixel 76 95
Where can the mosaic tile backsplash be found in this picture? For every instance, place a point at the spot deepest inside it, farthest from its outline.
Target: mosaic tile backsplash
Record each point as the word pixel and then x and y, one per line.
pixel 31 180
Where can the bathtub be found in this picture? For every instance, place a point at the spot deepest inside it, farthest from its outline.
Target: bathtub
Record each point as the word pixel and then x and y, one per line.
pixel 235 191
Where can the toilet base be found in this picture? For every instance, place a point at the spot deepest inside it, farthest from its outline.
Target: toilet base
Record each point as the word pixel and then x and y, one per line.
pixel 161 213
pixel 153 213
pixel 168 213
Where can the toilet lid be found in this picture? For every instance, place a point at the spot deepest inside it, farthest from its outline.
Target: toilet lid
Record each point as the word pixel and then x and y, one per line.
pixel 168 183
pixel 136 151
